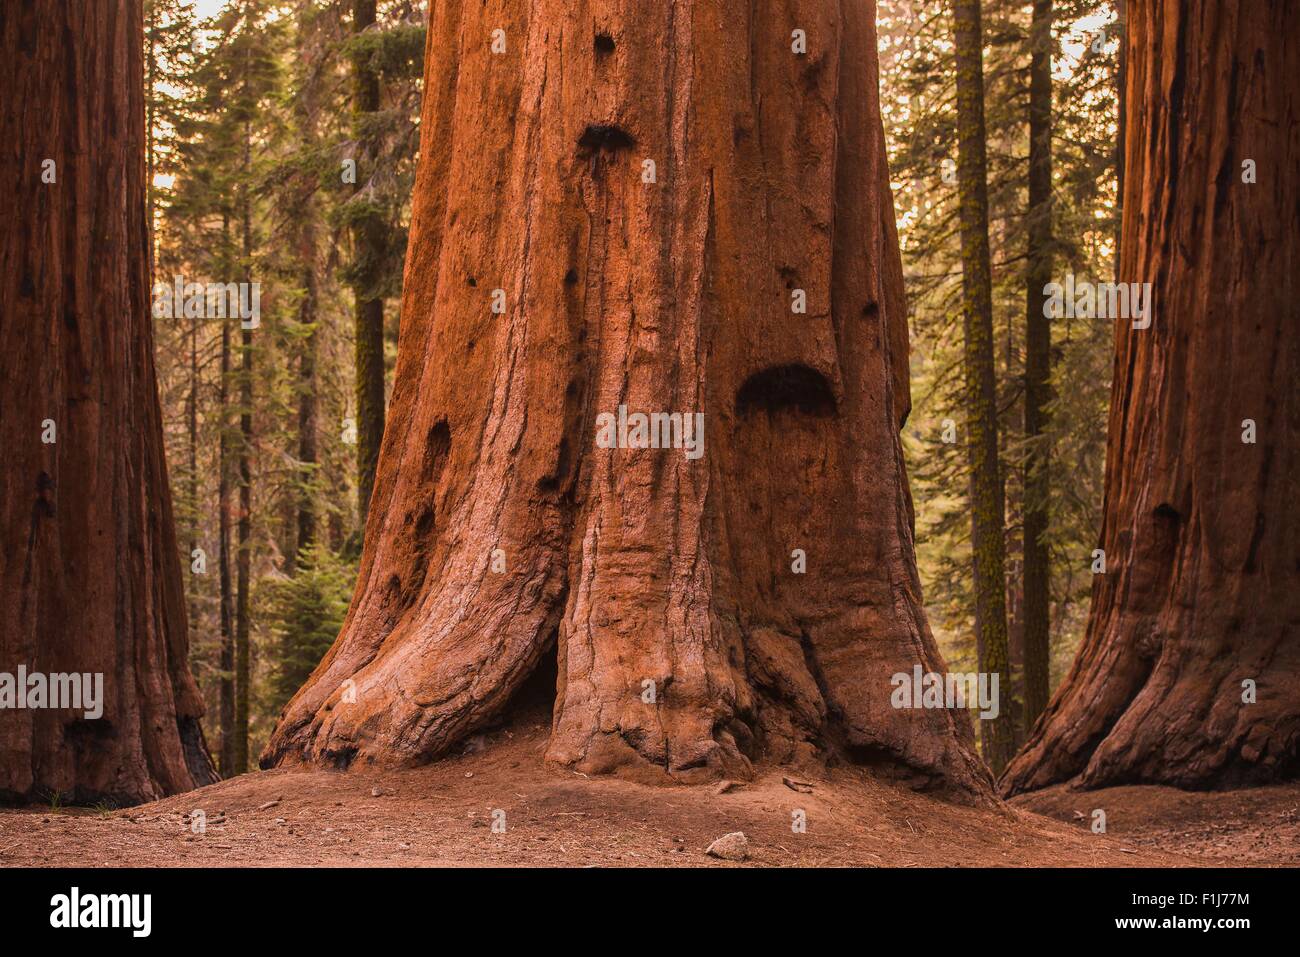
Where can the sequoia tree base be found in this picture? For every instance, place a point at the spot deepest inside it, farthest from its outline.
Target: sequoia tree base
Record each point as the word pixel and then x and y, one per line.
pixel 672 212
pixel 1188 672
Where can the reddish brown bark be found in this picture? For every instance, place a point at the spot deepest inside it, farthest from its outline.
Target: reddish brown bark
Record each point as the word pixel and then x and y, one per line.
pixel 668 296
pixel 90 579
pixel 1200 532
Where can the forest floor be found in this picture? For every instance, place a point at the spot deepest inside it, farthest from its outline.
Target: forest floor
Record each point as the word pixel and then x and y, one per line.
pixel 442 815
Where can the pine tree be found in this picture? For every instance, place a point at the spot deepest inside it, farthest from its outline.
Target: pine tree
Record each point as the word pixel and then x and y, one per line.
pixel 980 395
pixel 368 253
pixel 1038 369
pixel 920 116
pixel 252 185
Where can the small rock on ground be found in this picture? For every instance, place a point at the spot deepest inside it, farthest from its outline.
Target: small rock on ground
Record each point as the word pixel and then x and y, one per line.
pixel 730 847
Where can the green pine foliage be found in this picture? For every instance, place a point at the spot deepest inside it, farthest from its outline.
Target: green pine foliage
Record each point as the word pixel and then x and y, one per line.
pixel 918 100
pixel 251 125
pixel 302 614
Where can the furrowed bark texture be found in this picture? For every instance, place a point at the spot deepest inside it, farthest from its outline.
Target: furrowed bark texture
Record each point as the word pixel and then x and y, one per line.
pixel 687 646
pixel 1200 528
pixel 90 579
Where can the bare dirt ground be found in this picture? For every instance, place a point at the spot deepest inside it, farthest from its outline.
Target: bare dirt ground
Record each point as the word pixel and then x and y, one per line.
pixel 442 815
pixel 1251 828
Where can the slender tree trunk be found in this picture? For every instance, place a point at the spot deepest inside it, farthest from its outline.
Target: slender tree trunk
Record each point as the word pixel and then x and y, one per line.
pixel 307 388
pixel 1187 673
pixel 150 94
pixel 243 559
pixel 223 547
pixel 369 250
pixel 988 546
pixel 90 582
pixel 244 552
pixel 1037 600
pixel 192 480
pixel 1121 74
pixel 750 600
pixel 1012 697
pixel 306 107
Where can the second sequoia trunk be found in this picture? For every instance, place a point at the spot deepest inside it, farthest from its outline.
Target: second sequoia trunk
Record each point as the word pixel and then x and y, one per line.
pixel 91 593
pixel 1188 671
pixel 621 211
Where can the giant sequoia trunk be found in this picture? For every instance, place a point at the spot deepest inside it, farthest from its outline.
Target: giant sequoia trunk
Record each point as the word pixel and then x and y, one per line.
pixel 690 642
pixel 90 580
pixel 1201 531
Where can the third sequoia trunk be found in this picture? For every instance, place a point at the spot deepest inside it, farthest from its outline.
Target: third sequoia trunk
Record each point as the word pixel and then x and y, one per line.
pixel 622 210
pixel 1188 672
